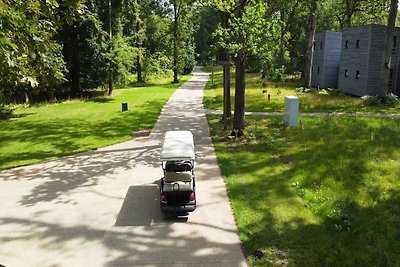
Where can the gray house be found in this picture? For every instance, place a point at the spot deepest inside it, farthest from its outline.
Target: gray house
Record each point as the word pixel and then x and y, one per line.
pixel 362 59
pixel 326 59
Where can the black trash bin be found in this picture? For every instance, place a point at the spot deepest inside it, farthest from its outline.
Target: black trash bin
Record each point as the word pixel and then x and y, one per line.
pixel 124 106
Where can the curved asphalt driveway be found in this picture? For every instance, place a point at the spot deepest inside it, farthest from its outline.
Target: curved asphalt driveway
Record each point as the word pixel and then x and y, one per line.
pixel 101 208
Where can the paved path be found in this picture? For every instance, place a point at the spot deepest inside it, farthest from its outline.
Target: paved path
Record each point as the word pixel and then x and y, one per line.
pixel 101 208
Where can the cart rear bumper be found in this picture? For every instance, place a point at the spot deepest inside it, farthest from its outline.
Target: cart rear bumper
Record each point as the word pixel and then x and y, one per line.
pixel 177 209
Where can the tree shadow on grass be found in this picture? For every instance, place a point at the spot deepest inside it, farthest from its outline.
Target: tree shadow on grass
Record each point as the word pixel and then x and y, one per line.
pixel 370 240
pixel 66 137
pixel 322 152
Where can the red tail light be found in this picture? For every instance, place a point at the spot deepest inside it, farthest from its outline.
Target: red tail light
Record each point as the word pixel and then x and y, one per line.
pixel 163 198
pixel 192 197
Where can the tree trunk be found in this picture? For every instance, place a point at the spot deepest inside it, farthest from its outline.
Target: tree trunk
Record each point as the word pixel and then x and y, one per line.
pixel 227 93
pixel 227 76
pixel 75 70
pixel 240 89
pixel 312 20
pixel 110 72
pixel 388 49
pixel 138 46
pixel 175 52
pixel 279 61
pixel 348 14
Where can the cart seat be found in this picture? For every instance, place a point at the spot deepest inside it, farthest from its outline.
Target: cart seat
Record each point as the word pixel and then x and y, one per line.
pixel 177 186
pixel 178 177
pixel 177 166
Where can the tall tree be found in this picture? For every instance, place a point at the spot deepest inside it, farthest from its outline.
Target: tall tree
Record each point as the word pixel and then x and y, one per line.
pixel 227 113
pixel 312 23
pixel 183 29
pixel 177 12
pixel 138 41
pixel 110 36
pixel 388 49
pixel 240 82
pixel 249 30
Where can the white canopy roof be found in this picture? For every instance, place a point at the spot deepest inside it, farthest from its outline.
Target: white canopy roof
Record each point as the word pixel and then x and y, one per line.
pixel 178 145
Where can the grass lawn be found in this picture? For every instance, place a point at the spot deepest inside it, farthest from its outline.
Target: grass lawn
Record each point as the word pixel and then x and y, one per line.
pixel 326 193
pixel 256 100
pixel 49 131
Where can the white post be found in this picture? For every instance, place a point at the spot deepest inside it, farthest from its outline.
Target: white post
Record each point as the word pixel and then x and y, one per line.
pixel 291 112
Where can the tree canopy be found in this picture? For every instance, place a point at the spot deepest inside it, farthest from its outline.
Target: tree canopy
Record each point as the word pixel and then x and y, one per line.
pixel 65 48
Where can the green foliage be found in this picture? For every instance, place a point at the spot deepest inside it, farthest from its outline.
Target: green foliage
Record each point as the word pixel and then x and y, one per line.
pixel 336 14
pixel 5 112
pixel 205 37
pixel 123 59
pixel 157 64
pixel 391 100
pixel 371 100
pixel 29 55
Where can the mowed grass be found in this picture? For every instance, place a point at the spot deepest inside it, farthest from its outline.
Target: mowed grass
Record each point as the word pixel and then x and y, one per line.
pixel 326 193
pixel 257 100
pixel 48 131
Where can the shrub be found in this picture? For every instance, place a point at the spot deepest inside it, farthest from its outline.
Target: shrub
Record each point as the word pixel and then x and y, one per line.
pixel 5 113
pixel 371 100
pixel 391 100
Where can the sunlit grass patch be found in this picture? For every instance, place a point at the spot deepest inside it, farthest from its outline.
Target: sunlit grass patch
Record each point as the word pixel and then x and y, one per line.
pixel 325 193
pixel 258 90
pixel 48 131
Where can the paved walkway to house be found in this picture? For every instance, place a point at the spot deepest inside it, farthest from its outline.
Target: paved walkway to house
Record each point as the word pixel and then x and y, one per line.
pixel 101 208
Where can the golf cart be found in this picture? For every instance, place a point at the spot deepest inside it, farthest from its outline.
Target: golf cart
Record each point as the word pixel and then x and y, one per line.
pixel 177 188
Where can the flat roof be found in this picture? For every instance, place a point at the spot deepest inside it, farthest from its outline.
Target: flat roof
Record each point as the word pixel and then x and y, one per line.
pixel 178 145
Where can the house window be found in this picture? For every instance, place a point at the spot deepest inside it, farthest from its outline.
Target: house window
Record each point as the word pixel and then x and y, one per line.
pixel 320 45
pixel 318 70
pixel 346 73
pixel 394 43
pixel 314 45
pixel 358 44
pixel 358 75
pixel 346 44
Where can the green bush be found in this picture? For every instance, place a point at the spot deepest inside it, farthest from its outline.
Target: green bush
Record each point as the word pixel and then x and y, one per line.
pixel 156 64
pixel 391 100
pixel 5 113
pixel 371 100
